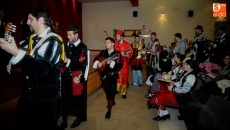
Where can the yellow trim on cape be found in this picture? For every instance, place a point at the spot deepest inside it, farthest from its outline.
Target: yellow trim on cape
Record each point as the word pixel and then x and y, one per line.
pixel 62 57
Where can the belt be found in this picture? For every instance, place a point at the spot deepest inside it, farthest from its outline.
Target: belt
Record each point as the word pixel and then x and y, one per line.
pixel 111 73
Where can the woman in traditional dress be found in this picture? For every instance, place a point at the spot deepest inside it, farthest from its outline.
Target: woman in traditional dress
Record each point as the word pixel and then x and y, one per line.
pixel 175 74
pixel 184 85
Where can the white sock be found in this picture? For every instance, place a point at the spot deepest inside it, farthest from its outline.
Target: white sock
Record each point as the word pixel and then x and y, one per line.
pixel 161 112
pixel 165 112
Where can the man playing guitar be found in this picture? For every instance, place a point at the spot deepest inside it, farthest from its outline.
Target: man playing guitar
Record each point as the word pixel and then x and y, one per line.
pixel 113 61
pixel 122 45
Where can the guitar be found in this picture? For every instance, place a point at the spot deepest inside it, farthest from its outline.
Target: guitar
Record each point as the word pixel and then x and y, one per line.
pixel 113 57
pixel 9 28
pixel 104 61
pixel 127 51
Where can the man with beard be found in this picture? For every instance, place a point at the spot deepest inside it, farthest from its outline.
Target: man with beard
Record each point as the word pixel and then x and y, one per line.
pixel 37 105
pixel 200 45
pixel 125 49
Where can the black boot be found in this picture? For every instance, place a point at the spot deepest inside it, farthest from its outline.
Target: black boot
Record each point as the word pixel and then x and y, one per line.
pixel 124 96
pixel 76 123
pixel 165 117
pixel 158 118
pixel 107 115
pixel 155 118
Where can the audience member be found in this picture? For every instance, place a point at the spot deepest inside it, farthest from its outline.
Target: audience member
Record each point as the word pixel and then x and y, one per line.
pixel 184 85
pixel 180 44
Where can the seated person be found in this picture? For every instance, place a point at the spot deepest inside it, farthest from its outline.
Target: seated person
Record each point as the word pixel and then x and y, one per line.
pixel 165 62
pixel 175 73
pixel 223 75
pixel 184 85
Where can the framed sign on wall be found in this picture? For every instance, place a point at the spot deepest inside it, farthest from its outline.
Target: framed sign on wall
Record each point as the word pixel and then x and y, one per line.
pixel 140 32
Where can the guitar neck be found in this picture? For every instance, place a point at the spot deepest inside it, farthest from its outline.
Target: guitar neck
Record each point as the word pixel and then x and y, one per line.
pixel 8 30
pixel 109 58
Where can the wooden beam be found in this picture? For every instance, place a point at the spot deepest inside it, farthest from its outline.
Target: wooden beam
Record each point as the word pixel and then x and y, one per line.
pixel 135 3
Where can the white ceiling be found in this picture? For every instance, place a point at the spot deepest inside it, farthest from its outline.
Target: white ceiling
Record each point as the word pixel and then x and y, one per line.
pixel 91 1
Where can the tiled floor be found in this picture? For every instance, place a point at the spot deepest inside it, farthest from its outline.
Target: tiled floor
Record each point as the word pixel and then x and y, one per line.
pixel 173 123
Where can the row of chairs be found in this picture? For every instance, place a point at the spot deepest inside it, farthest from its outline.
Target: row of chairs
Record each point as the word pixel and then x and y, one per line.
pixel 212 115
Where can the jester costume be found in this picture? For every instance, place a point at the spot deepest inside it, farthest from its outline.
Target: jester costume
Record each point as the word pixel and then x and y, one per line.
pixel 124 72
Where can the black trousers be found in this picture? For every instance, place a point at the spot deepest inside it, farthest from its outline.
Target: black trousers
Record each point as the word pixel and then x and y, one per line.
pixel 36 114
pixel 109 84
pixel 73 104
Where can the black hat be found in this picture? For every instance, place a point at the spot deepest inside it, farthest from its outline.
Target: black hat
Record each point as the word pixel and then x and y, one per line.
pixel 199 27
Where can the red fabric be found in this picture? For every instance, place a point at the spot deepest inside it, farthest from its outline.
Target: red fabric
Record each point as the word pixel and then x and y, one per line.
pixel 137 62
pixel 124 72
pixel 163 85
pixel 119 32
pixel 82 56
pixel 62 68
pixel 58 10
pixel 162 98
pixel 76 85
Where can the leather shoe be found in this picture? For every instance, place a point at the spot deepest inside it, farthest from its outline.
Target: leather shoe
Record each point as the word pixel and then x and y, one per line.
pixel 63 125
pixel 165 117
pixel 124 96
pixel 107 115
pixel 158 118
pixel 76 123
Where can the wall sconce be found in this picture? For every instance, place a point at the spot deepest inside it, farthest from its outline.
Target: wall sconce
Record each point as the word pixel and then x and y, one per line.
pixel 162 14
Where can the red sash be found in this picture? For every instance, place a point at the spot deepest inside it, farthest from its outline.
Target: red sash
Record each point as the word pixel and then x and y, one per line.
pixel 76 84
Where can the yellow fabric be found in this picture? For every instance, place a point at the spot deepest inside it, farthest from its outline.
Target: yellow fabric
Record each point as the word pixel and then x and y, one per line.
pixel 62 49
pixel 137 47
pixel 31 41
pixel 122 88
